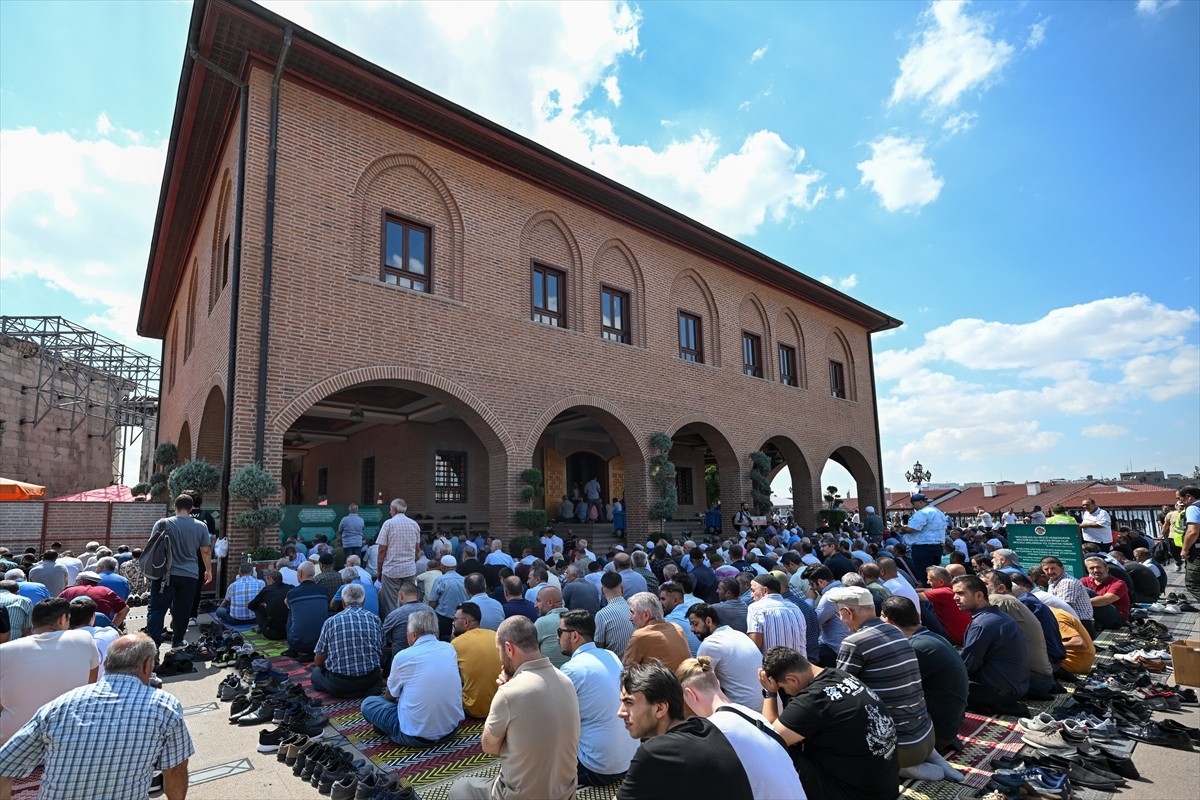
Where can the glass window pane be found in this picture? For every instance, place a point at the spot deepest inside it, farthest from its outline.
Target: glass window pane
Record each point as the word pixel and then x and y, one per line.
pixel 618 312
pixel 606 309
pixel 417 245
pixel 538 291
pixel 551 292
pixel 393 255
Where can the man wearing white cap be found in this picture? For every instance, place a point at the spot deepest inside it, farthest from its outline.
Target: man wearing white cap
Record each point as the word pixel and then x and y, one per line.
pixel 447 595
pixel 873 524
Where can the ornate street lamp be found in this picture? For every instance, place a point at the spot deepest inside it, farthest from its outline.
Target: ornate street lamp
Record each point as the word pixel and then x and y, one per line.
pixel 918 475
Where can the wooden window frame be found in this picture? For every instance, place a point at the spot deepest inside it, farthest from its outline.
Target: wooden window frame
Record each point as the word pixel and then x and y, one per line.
pixel 441 492
pixel 620 335
pixel 684 487
pixel 752 347
pixel 698 350
pixel 402 274
pixel 559 317
pixel 788 377
pixel 837 380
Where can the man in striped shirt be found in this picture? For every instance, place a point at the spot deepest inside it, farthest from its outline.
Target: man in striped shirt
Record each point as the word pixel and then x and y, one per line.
pixel 880 656
pixel 613 625
pixel 772 621
pixel 1071 591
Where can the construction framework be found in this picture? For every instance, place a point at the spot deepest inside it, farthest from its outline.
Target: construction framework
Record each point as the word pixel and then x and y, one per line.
pixel 89 376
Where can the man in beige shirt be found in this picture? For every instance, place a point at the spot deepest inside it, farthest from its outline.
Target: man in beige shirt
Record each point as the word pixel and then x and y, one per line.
pixel 654 637
pixel 533 725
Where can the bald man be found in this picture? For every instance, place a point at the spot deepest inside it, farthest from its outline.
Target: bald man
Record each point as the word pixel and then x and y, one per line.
pixel 550 610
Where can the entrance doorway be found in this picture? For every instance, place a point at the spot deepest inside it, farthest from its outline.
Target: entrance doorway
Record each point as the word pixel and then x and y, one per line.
pixel 581 468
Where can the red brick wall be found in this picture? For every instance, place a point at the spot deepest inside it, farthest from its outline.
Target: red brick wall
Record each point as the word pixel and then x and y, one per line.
pixel 472 343
pixel 76 524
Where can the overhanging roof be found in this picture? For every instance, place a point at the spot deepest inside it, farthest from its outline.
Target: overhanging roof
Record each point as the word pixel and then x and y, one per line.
pixel 229 33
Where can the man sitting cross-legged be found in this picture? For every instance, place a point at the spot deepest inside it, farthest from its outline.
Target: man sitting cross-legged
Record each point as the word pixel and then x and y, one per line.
pixel 346 660
pixel 235 608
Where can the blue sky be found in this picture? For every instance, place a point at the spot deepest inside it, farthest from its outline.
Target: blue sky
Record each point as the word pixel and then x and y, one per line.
pixel 1018 182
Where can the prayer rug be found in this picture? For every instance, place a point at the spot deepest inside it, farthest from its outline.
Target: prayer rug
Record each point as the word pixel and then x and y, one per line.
pixel 268 647
pixel 983 738
pixel 27 788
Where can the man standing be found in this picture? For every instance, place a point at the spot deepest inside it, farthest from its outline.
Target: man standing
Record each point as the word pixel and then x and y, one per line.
pixel 1191 538
pixel 351 530
pixel 604 749
pixel 551 541
pixel 1096 525
pixel 849 738
pixel 1070 591
pixel 235 608
pixel 449 592
pixel 269 607
pixel 189 546
pixel 307 610
pixel 873 525
pixel 614 625
pixel 422 703
pixel 653 636
pixel 50 573
pixel 734 657
pixel 742 519
pixel 533 725
pixel 142 730
pixel 37 668
pixel 478 660
pixel 924 534
pixel 346 656
pixel 679 757
pixel 399 543
pixel 994 652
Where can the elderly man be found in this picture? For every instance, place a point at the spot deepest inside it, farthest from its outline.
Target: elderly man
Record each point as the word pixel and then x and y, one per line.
pixel 771 621
pixel 1070 591
pixel 490 610
pixel 107 566
pixel 20 610
pixel 346 656
pixel 533 725
pixel 422 703
pixel 108 602
pixel 351 530
pixel 994 652
pixel 142 730
pixel 515 602
pixel 733 656
pixel 943 675
pixel 924 534
pixel 399 544
pixel 395 626
pixel 449 592
pixel 37 668
pixel 269 607
pixel 478 660
pixel 632 580
pixel 235 608
pixel 679 757
pixel 578 593
pixel 653 636
pixel 1110 590
pixel 641 566
pixel 880 656
pixel 849 739
pixel 307 610
pixel 351 577
pixel 327 577
pixel 940 594
pixel 550 611
pixel 30 590
pixel 497 556
pixel 1006 560
pixel 604 749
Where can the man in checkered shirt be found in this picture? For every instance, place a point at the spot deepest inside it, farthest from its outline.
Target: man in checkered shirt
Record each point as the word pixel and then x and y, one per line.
pixel 140 729
pixel 233 609
pixel 346 662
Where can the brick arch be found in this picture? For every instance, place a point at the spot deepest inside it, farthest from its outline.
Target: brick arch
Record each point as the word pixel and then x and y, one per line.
pixel 210 441
pixel 867 484
pixel 753 318
pixel 789 324
pixel 624 432
pixel 449 255
pixel 803 503
pixel 837 348
pixel 184 445
pixel 575 277
pixel 216 261
pixel 638 327
pixel 474 412
pixel 714 318
pixel 729 463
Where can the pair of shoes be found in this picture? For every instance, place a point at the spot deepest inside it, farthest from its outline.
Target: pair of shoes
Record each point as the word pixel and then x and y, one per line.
pixel 1048 740
pixel 1171 726
pixel 1154 733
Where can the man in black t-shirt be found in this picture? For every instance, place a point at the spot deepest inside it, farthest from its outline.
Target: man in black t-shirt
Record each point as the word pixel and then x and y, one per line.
pixel 678 757
pixel 854 755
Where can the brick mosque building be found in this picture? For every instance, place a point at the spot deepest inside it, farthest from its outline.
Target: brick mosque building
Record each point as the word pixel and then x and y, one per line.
pixel 372 291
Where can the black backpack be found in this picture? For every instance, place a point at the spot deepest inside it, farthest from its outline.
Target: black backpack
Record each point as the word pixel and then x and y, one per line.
pixel 156 557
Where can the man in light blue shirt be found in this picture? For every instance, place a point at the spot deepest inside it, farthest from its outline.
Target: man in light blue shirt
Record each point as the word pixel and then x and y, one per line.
pixel 350 575
pixel 423 701
pixel 924 534
pixel 351 530
pixel 490 609
pixel 498 557
pixel 605 749
pixel 671 595
pixel 447 595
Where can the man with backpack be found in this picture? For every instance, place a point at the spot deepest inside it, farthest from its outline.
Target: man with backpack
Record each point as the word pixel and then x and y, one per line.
pixel 171 560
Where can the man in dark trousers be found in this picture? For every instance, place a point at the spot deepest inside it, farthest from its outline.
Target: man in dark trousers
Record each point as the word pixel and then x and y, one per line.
pixel 270 610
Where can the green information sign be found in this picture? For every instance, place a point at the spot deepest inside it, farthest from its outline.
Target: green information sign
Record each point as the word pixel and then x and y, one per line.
pixel 1035 542
pixel 306 522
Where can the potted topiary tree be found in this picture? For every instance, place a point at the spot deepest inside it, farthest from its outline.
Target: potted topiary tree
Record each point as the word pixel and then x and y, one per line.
pixel 533 518
pixel 833 514
pixel 199 476
pixel 253 484
pixel 760 483
pixel 165 457
pixel 139 491
pixel 662 474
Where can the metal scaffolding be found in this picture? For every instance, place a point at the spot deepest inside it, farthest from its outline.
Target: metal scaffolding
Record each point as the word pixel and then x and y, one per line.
pixel 89 376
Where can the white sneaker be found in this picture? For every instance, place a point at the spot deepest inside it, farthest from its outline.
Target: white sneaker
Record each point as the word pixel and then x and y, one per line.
pixel 1041 723
pixel 1171 608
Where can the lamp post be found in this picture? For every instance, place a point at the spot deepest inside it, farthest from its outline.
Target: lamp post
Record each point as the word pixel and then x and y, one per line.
pixel 918 475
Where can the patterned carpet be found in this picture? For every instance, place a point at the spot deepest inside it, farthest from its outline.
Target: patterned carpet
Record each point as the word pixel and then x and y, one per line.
pixel 984 738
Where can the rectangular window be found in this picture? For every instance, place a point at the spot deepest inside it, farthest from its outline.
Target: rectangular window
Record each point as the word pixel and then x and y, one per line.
pixel 450 477
pixel 406 247
pixel 683 486
pixel 691 339
pixel 548 296
pixel 787 366
pixel 752 355
pixel 368 481
pixel 614 313
pixel 837 380
pixel 323 482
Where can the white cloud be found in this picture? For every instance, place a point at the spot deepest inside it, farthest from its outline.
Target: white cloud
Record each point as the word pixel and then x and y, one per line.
pixel 103 125
pixel 1105 430
pixel 840 193
pixel 951 55
pixel 1037 33
pixel 961 122
pixel 612 90
pixel 900 173
pixel 758 54
pixel 533 67
pixel 848 282
pixel 1165 376
pixel 1151 7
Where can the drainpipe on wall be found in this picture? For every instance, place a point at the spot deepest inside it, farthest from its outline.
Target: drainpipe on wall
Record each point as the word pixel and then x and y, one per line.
pixel 260 414
pixel 880 499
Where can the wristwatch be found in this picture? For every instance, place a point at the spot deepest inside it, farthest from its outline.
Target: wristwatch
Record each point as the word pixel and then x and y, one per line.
pixel 768 695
